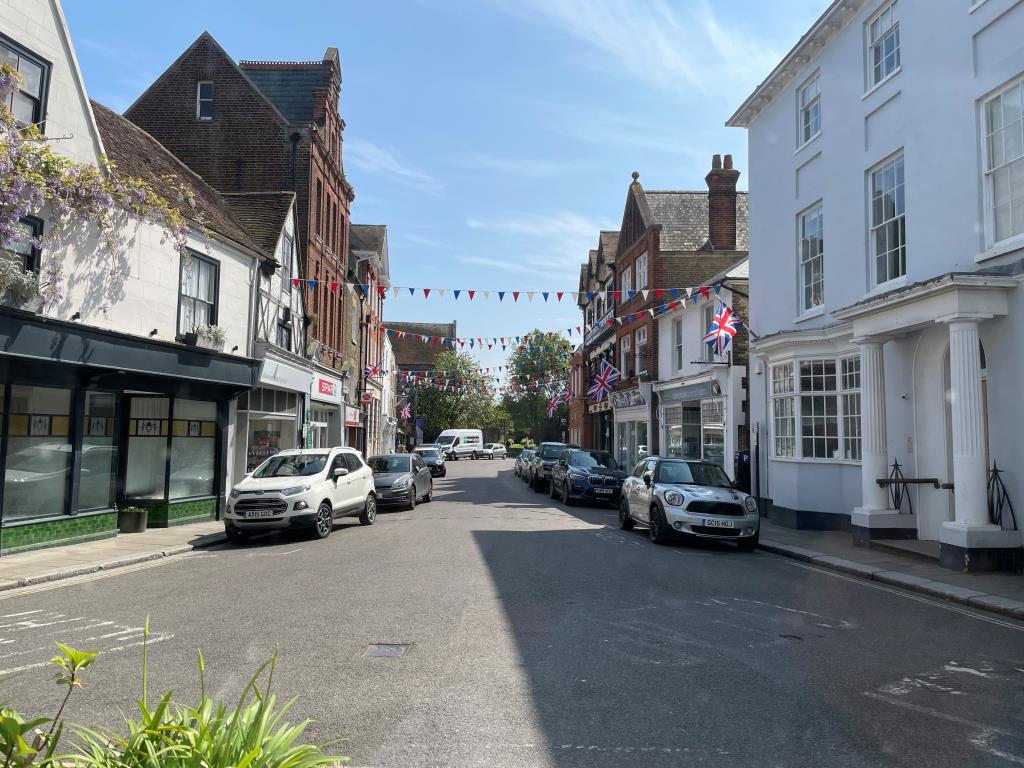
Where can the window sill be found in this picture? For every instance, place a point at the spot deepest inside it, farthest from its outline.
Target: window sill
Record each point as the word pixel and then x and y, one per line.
pixel 810 314
pixel 896 282
pixel 1001 248
pixel 881 82
pixel 807 143
pixel 795 460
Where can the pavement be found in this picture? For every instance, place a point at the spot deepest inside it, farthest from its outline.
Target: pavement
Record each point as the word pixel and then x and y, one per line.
pixel 533 635
pixel 53 563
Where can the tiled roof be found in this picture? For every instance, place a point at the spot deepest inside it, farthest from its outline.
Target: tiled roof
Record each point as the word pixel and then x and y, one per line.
pixel 290 89
pixel 413 353
pixel 135 153
pixel 263 214
pixel 683 216
pixel 609 243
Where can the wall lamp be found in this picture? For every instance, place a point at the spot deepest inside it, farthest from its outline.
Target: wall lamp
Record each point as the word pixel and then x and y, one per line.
pixel 153 333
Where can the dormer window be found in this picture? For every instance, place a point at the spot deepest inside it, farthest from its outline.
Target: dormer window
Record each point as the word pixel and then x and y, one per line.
pixel 204 101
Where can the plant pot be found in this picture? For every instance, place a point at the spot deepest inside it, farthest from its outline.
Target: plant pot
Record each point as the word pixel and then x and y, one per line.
pixel 190 339
pixel 132 520
pixel 206 343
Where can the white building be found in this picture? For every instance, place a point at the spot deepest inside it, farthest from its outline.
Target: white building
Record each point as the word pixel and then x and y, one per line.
pixel 887 236
pixel 108 388
pixel 388 399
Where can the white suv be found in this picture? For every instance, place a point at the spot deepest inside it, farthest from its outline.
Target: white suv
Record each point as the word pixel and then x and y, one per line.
pixel 302 488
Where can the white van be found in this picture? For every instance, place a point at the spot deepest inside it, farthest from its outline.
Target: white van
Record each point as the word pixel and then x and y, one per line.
pixel 461 443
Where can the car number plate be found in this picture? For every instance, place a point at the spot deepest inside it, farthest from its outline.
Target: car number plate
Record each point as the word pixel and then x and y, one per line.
pixel 718 523
pixel 250 513
pixel 603 490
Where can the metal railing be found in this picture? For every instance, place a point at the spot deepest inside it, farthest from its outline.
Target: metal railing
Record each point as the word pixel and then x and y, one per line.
pixel 999 499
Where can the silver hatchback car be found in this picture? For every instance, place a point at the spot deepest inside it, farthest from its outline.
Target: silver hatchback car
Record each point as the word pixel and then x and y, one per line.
pixel 692 498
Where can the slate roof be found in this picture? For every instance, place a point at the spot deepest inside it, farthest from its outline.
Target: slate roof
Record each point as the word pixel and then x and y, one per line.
pixel 609 244
pixel 413 353
pixel 291 89
pixel 135 153
pixel 683 216
pixel 263 214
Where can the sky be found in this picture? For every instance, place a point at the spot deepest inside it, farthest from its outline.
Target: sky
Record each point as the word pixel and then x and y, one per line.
pixel 494 138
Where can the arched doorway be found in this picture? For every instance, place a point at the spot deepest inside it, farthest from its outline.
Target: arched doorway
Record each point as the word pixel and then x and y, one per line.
pixel 947 399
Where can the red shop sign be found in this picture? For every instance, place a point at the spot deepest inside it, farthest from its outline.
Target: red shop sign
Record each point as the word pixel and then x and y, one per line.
pixel 326 387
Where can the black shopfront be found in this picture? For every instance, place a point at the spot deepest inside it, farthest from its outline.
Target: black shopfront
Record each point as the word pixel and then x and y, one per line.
pixel 95 420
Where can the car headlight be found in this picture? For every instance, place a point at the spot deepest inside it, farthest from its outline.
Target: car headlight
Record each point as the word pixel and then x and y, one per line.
pixel 300 505
pixel 674 498
pixel 235 493
pixel 750 504
pixel 400 485
pixel 295 489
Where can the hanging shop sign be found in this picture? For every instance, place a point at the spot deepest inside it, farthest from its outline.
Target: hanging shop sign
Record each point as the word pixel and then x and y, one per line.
pixel 630 398
pixel 698 391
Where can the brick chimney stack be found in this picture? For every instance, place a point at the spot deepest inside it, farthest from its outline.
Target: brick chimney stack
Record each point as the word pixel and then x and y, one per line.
pixel 721 180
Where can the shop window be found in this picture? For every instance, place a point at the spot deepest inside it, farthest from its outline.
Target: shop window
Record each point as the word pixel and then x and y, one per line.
pixel 824 399
pixel 27 103
pixel 99 452
pixel 38 452
pixel 193 449
pixel 197 303
pixel 148 429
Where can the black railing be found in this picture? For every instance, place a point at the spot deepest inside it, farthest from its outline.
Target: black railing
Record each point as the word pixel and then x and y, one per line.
pixel 897 485
pixel 999 500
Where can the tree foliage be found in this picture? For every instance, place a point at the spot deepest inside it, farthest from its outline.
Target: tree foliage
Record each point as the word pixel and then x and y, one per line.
pixel 467 405
pixel 550 358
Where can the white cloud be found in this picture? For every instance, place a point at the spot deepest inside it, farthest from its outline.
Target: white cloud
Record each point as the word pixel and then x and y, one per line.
pixel 499 264
pixel 667 46
pixel 428 242
pixel 558 240
pixel 513 166
pixel 370 158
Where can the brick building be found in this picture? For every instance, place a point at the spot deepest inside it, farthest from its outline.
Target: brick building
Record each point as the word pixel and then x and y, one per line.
pixel 597 302
pixel 368 249
pixel 413 354
pixel 259 126
pixel 668 239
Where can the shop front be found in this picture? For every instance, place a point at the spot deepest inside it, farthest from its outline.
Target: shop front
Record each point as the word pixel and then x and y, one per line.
pixel 94 421
pixel 602 426
pixel 697 423
pixel 355 426
pixel 632 431
pixel 324 414
pixel 271 418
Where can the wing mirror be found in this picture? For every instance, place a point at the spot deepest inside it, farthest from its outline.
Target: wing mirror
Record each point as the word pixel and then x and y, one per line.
pixel 648 478
pixel 340 472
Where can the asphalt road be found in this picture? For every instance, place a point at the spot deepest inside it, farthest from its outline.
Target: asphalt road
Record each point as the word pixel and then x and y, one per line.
pixel 538 635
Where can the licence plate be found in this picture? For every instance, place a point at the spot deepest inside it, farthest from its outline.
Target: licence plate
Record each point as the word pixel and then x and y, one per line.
pixel 252 513
pixel 718 523
pixel 603 490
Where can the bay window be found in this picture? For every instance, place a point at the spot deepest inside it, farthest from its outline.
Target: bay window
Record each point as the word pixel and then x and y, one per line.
pixel 821 397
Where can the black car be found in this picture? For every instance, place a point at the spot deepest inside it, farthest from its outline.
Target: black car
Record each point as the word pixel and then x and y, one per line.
pixel 581 474
pixel 433 458
pixel 401 478
pixel 544 459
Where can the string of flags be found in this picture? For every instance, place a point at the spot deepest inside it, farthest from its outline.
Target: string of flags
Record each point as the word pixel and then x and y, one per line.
pixel 562 397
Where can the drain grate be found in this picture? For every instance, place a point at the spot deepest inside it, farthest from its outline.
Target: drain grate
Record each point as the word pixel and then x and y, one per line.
pixel 386 649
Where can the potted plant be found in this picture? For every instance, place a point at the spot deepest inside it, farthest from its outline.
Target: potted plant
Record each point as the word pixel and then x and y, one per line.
pixel 209 337
pixel 132 519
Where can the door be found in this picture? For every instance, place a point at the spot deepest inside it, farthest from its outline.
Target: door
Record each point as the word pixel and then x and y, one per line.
pixel 631 489
pixel 361 478
pixel 339 486
pixel 644 492
pixel 422 476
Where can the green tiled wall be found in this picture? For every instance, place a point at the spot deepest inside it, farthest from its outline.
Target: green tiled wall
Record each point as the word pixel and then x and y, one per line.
pixel 163 514
pixel 52 533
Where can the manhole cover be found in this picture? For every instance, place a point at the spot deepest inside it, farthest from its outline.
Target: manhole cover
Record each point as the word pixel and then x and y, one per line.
pixel 386 649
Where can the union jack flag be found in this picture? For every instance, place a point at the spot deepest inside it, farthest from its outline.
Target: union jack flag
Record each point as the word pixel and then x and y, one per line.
pixel 562 397
pixel 372 370
pixel 724 326
pixel 406 413
pixel 604 381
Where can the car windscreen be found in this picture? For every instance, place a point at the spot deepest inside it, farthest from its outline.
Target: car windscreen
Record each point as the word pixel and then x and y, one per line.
pixel 446 440
pixel 382 464
pixel 551 451
pixel 694 473
pixel 294 465
pixel 589 459
pixel 430 453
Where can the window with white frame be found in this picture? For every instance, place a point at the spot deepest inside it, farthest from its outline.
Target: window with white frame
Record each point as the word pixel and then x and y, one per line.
pixel 627 281
pixel 626 356
pixel 707 351
pixel 204 101
pixel 816 409
pixel 888 221
pixel 641 350
pixel 1004 163
pixel 883 44
pixel 287 252
pixel 812 259
pixel 641 271
pixel 809 105
pixel 677 344
pixel 849 388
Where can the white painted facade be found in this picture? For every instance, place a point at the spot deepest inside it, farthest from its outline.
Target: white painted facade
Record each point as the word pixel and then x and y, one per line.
pixel 961 275
pixel 388 398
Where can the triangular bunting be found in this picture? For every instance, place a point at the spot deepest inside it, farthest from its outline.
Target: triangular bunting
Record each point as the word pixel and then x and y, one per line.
pixel 426 293
pixel 455 293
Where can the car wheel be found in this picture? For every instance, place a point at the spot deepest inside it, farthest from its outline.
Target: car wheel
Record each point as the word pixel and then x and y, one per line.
pixel 236 536
pixel 369 513
pixel 444 472
pixel 625 520
pixel 430 492
pixel 323 523
pixel 749 544
pixel 658 528
pixel 551 488
pixel 411 504
pixel 566 499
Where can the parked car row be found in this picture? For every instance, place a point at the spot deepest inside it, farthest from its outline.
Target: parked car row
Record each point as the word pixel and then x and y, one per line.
pixel 310 489
pixel 671 496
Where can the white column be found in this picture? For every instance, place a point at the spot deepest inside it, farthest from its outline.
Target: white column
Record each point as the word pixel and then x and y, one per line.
pixel 874 454
pixel 968 424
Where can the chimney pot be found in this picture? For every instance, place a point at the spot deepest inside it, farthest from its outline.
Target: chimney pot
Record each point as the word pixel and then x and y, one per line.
pixel 636 175
pixel 728 162
pixel 716 162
